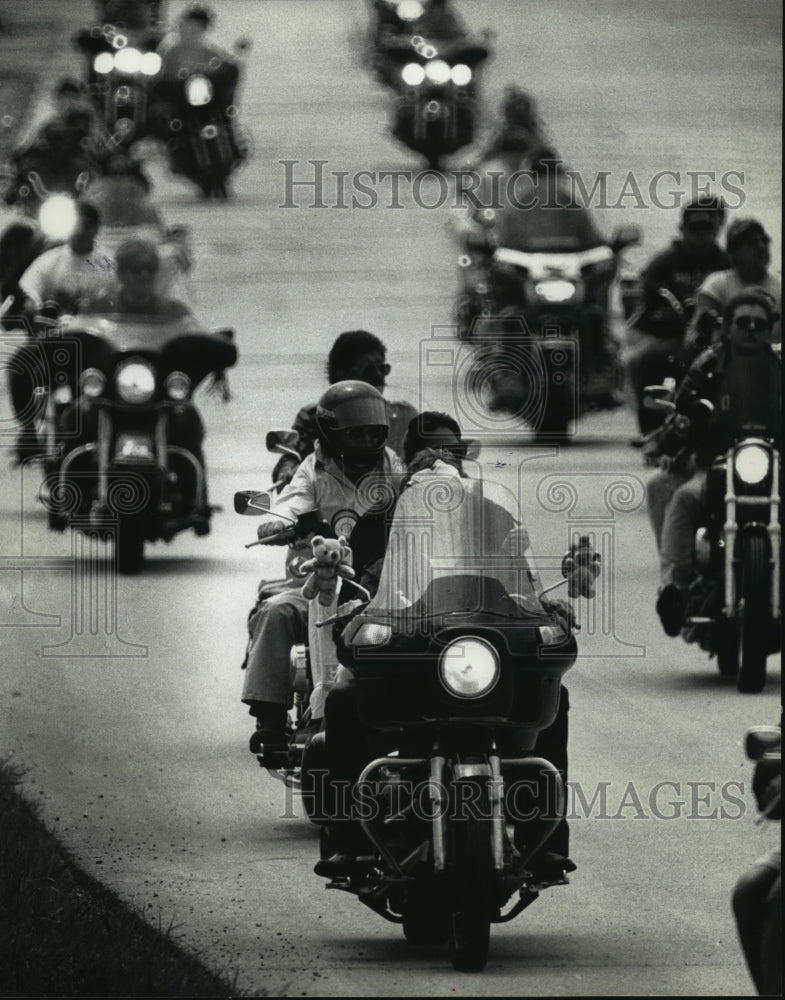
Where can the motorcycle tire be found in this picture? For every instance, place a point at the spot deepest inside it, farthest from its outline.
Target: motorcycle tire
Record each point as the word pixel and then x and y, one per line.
pixel 129 546
pixel 314 786
pixel 756 612
pixel 727 645
pixel 471 876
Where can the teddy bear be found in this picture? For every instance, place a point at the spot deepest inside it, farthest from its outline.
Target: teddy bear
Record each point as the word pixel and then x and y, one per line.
pixel 581 567
pixel 331 560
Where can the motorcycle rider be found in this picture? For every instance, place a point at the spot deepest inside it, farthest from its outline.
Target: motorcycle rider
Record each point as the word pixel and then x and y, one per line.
pixel 352 425
pixel 741 377
pixel 434 447
pixel 360 355
pixel 669 284
pixel 135 295
pixel 69 274
pixel 748 246
pixel 757 895
pixel 440 21
pixel 20 243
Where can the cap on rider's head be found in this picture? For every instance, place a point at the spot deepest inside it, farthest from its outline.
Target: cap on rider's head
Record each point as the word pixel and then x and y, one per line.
pixel 741 231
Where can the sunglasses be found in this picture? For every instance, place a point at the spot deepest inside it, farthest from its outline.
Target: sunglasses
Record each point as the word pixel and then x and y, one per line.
pixel 751 323
pixel 700 227
pixel 373 371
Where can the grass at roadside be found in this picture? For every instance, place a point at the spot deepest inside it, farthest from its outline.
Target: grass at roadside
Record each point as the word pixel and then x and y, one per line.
pixel 64 934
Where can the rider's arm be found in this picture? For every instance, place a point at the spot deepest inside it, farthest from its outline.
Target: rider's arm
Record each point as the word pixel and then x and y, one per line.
pixel 299 496
pixel 708 309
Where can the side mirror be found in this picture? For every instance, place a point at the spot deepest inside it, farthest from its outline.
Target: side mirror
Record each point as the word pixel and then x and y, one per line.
pixel 283 442
pixel 626 236
pixel 251 502
pixel 762 740
pixel 225 331
pixel 658 397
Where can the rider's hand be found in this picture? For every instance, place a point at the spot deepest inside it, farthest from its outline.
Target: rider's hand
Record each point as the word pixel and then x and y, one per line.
pixel 563 612
pixel 270 527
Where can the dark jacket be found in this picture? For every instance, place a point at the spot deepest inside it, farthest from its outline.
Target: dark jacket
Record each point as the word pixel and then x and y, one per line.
pixel 745 390
pixel 681 272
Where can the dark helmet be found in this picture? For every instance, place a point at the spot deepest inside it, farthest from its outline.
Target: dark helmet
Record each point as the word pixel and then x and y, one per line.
pixel 352 406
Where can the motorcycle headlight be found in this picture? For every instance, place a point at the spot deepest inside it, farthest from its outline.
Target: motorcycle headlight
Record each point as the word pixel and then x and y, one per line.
pixel 438 71
pixel 57 217
pixel 413 74
pixel 555 291
pixel 151 63
pixel 177 385
pixel 409 10
pixel 461 75
pixel 91 383
pixel 128 60
pixel 752 464
pixel 135 382
pixel 103 62
pixel 198 90
pixel 469 668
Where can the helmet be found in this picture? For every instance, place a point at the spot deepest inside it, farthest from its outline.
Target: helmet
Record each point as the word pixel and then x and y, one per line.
pixel 348 406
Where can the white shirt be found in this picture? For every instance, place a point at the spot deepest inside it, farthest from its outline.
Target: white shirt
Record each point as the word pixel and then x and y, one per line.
pixel 60 271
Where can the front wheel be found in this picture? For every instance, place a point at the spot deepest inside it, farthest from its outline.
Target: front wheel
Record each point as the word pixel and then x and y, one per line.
pixel 130 546
pixel 471 875
pixel 756 612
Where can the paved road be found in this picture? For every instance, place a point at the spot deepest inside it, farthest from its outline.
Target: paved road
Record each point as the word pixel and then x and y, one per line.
pixel 138 756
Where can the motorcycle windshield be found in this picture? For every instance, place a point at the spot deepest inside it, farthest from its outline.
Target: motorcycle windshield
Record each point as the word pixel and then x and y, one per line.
pixel 137 332
pixel 456 545
pixel 551 224
pixel 172 344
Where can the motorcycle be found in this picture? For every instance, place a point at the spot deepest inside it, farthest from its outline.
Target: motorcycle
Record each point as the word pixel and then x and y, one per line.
pixel 198 124
pixel 734 602
pixel 304 752
pixel 542 315
pixel 121 66
pixel 457 664
pixel 436 93
pixel 123 447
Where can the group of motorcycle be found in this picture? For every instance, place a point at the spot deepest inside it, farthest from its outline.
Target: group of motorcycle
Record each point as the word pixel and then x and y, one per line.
pixel 140 86
pixel 110 414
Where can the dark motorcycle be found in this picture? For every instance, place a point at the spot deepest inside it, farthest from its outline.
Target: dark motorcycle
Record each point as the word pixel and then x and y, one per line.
pixel 121 66
pixel 457 665
pixel 127 449
pixel 436 86
pixel 541 318
pixel 734 603
pixel 199 124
